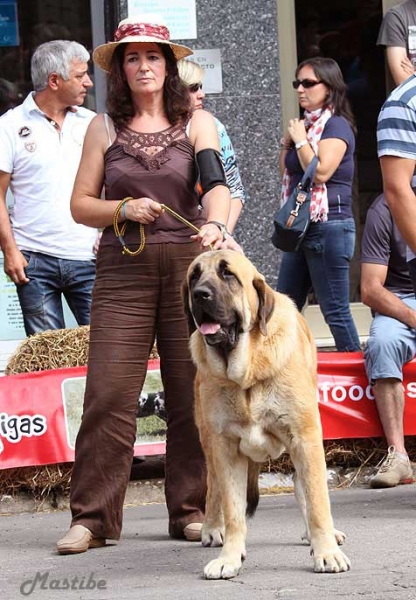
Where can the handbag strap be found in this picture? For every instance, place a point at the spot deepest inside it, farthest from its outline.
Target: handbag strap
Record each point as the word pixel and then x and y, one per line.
pixel 309 174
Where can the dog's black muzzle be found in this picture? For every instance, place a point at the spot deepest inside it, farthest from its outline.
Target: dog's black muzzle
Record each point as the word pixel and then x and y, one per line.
pixel 215 317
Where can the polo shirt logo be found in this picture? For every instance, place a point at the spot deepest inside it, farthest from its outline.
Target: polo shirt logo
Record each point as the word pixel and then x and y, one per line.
pixel 24 131
pixel 30 146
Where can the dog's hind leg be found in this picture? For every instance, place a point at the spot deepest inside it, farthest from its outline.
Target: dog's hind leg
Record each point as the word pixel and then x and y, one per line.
pixel 300 499
pixel 307 454
pixel 231 473
pixel 213 527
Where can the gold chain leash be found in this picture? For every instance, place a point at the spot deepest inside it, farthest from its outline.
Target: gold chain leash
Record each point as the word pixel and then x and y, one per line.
pixel 120 232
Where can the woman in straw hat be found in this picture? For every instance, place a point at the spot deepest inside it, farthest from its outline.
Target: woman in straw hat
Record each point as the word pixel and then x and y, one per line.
pixel 146 153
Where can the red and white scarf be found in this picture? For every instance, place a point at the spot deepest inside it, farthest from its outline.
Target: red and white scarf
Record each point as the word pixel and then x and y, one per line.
pixel 314 124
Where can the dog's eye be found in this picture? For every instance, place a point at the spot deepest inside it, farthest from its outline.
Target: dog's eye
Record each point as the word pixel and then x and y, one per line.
pixel 194 276
pixel 228 274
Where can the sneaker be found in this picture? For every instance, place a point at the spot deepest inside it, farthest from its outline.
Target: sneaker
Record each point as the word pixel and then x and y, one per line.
pixel 394 469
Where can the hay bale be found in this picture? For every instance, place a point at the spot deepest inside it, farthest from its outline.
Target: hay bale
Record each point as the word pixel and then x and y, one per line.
pixel 40 483
pixel 54 349
pixel 65 348
pixel 347 454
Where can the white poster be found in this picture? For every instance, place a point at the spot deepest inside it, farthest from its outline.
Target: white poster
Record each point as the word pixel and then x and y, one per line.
pixel 210 61
pixel 10 314
pixel 179 15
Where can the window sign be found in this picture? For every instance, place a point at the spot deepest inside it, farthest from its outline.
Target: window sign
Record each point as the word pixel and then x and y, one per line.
pixel 9 30
pixel 11 318
pixel 10 314
pixel 179 16
pixel 210 61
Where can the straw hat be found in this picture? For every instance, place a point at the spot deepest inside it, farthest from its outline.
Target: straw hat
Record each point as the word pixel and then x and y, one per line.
pixel 141 28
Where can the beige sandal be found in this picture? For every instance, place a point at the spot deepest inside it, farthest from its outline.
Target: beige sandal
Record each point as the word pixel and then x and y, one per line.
pixel 192 532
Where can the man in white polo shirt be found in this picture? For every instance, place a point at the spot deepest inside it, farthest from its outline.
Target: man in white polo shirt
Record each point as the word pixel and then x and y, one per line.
pixel 46 253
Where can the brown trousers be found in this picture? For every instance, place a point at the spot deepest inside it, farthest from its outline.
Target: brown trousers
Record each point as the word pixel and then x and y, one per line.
pixel 134 300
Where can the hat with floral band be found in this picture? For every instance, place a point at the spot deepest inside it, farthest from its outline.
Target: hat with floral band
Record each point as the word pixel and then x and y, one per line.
pixel 141 28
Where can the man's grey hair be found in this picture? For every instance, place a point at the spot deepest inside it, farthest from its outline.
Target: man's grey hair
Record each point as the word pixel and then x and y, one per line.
pixel 55 57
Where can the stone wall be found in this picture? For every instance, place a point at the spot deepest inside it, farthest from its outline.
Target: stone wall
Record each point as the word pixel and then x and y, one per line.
pixel 246 33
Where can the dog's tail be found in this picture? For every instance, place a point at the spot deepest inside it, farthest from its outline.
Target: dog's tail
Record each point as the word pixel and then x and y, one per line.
pixel 252 488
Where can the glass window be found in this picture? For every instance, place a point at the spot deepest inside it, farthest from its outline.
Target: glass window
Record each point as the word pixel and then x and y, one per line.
pixel 347 32
pixel 37 21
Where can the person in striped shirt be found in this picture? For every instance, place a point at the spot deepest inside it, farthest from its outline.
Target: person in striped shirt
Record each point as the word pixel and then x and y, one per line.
pixel 396 147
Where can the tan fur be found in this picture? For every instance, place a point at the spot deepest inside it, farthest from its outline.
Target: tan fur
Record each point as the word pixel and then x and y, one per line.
pixel 254 400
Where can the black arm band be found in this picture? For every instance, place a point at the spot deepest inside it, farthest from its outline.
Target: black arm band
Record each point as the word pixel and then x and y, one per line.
pixel 210 169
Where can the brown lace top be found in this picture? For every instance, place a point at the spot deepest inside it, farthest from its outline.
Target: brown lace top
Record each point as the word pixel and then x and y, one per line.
pixel 160 166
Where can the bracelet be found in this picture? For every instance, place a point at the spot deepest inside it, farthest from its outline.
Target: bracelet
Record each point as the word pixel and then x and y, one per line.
pixel 121 208
pixel 301 144
pixel 221 227
pixel 284 144
pixel 120 232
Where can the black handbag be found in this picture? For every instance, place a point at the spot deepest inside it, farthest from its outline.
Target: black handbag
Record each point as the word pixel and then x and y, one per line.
pixel 291 222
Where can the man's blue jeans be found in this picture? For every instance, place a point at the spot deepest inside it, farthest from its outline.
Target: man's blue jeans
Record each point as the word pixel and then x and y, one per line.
pixel 49 279
pixel 323 263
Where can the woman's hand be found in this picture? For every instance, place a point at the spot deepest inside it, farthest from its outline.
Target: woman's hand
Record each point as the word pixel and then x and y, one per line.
pixel 230 244
pixel 297 130
pixel 143 210
pixel 209 235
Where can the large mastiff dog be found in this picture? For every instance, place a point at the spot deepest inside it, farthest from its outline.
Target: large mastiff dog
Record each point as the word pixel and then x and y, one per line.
pixel 255 397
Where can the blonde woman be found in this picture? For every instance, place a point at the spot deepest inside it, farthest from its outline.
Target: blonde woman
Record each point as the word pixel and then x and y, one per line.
pixel 192 76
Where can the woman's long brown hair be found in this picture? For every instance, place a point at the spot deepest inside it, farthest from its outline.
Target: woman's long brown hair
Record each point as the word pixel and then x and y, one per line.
pixel 176 99
pixel 328 71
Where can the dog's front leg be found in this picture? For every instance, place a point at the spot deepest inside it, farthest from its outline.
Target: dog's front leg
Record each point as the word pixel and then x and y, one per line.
pixel 309 460
pixel 231 468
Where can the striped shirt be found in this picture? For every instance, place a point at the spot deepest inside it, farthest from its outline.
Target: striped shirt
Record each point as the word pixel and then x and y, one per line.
pixel 396 126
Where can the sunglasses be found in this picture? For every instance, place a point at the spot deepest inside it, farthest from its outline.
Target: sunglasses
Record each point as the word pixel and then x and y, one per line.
pixel 195 87
pixel 306 83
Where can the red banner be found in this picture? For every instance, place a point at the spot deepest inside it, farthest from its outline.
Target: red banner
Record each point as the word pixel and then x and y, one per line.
pixel 40 412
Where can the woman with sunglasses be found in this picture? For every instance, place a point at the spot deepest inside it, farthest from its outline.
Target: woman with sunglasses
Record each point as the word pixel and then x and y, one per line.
pixel 192 75
pixel 322 262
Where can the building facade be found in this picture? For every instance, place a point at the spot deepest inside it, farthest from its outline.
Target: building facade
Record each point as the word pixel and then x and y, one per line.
pixel 259 42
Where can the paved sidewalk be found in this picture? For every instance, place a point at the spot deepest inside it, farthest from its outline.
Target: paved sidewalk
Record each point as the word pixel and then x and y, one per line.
pixel 146 564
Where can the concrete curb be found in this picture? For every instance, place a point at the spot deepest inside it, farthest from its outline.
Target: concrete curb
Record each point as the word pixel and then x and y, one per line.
pixel 152 491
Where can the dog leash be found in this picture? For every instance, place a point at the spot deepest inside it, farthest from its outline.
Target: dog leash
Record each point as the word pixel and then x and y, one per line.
pixel 120 232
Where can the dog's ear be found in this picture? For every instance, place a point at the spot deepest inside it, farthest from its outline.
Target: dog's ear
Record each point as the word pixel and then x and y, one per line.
pixel 266 303
pixel 187 308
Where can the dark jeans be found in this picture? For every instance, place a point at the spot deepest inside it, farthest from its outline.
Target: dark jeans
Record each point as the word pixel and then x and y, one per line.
pixel 323 263
pixel 134 300
pixel 49 279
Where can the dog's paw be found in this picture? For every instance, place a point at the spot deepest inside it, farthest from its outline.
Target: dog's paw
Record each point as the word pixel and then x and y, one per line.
pixel 223 568
pixel 331 561
pixel 212 536
pixel 339 536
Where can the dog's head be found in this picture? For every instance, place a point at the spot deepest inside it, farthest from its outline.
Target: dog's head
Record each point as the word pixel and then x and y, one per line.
pixel 225 295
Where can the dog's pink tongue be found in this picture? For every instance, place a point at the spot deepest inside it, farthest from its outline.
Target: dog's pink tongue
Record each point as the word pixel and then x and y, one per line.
pixel 209 328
